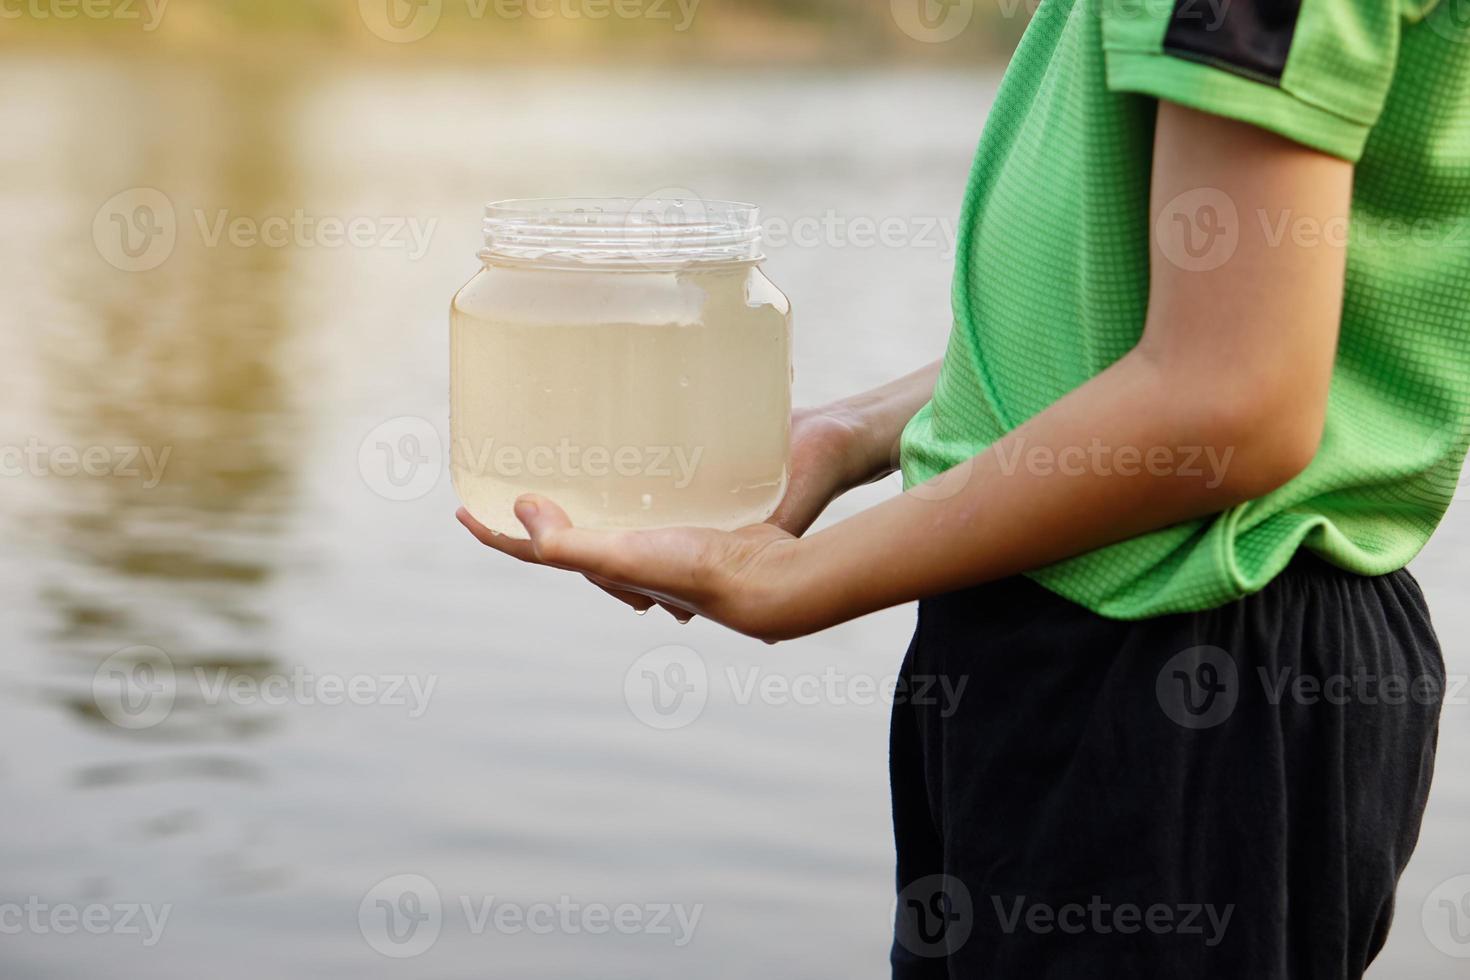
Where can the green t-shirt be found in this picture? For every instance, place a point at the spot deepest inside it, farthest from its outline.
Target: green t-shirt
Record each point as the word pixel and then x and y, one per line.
pixel 1051 277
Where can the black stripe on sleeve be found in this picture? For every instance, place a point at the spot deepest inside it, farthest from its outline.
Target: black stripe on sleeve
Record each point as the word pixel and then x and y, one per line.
pixel 1247 37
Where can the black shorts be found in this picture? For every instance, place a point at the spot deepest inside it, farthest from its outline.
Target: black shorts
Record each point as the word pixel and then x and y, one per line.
pixel 1231 793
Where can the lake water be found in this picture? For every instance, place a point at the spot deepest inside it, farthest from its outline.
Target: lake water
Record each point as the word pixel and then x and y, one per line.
pixel 296 544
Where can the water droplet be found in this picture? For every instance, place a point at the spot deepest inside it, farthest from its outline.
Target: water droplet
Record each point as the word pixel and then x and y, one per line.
pixel 640 612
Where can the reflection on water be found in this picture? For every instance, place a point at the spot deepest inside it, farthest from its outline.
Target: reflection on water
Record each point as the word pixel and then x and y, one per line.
pixel 178 372
pixel 253 689
pixel 198 767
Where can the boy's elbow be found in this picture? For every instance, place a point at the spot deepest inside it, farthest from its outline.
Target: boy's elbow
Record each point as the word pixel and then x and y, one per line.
pixel 1278 463
pixel 1267 446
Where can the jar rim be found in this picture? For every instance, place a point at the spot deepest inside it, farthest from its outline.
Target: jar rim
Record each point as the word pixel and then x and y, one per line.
pixel 622 232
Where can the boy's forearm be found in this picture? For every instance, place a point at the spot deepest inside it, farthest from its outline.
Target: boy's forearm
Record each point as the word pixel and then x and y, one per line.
pixel 1129 452
pixel 877 418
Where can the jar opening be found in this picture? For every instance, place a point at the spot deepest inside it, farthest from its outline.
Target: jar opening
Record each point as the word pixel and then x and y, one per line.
pixel 622 232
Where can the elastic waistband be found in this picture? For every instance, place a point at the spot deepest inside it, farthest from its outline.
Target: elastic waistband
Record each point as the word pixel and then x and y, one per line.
pixel 1307 576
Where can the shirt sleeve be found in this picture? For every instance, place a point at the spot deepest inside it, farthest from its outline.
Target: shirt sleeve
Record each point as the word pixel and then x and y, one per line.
pixel 1314 71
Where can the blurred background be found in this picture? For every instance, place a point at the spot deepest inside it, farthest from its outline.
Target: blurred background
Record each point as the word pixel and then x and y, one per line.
pixel 266 707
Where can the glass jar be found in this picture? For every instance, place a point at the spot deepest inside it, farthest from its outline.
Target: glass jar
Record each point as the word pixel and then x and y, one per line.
pixel 627 359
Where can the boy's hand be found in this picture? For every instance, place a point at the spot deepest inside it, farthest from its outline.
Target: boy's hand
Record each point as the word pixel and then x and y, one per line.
pixel 744 579
pixel 833 449
pixel 824 464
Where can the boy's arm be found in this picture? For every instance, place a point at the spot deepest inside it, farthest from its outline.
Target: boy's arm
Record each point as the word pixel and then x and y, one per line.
pixel 845 444
pixel 1235 358
pixel 878 418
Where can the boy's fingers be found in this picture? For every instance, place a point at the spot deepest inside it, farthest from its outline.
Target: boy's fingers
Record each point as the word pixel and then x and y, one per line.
pixel 602 558
pixel 557 542
pixel 652 563
pixel 637 600
pixel 678 612
pixel 515 547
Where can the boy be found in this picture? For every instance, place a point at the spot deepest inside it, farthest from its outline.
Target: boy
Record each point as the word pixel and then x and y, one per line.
pixel 1206 394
